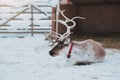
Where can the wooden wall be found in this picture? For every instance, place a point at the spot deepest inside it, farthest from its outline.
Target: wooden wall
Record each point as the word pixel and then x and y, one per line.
pixel 103 19
pixel 94 2
pixel 100 19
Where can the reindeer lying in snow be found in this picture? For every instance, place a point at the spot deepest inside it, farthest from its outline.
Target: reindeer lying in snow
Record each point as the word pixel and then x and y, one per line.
pixel 84 52
pixel 80 53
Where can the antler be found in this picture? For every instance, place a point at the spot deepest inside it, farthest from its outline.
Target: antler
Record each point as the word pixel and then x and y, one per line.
pixel 69 27
pixel 60 37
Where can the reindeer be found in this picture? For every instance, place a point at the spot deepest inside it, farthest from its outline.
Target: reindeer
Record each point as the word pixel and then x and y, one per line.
pixel 80 52
pixel 77 52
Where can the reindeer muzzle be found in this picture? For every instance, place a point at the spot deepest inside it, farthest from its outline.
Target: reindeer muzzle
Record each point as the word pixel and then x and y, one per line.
pixel 51 53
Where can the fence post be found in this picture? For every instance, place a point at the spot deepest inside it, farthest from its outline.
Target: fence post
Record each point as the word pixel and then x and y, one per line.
pixel 53 19
pixel 32 18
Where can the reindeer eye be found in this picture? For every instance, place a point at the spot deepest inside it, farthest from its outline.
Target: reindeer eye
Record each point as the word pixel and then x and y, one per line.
pixel 59 46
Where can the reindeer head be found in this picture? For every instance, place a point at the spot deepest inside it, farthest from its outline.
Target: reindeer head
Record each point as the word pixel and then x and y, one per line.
pixel 56 49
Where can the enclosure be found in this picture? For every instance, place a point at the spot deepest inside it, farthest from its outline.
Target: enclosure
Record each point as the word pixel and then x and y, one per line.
pixel 27 57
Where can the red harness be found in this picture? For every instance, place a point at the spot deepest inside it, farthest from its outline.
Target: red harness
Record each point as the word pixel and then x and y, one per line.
pixel 70 50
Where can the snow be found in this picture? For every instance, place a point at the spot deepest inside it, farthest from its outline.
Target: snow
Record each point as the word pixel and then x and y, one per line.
pixel 28 59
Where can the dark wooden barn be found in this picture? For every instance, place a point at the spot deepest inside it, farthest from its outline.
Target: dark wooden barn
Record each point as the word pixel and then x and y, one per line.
pixel 102 16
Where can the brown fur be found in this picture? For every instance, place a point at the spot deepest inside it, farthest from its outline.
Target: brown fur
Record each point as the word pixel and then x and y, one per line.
pixel 99 50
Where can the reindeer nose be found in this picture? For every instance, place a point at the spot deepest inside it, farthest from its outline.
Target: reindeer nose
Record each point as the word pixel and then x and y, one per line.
pixel 51 53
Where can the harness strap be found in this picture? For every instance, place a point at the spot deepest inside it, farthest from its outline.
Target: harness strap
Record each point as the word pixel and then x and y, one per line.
pixel 70 50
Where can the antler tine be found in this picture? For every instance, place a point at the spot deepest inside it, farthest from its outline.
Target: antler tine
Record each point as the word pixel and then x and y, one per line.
pixel 62 13
pixel 69 27
pixel 78 17
pixel 65 23
pixel 57 34
pixel 65 35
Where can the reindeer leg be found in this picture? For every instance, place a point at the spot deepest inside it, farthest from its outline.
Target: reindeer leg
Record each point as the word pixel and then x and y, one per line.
pixel 83 63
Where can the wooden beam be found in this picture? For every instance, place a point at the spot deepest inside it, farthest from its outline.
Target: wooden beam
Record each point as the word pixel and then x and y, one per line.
pixel 40 11
pixel 14 17
pixel 53 19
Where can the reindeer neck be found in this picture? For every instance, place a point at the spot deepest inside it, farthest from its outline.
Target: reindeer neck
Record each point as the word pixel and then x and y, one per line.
pixel 65 50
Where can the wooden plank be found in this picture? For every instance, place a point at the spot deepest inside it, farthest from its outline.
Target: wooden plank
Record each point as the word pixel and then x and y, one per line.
pixel 29 12
pixel 44 5
pixel 6 25
pixel 114 1
pixel 37 29
pixel 17 19
pixel 88 2
pixel 6 5
pixel 95 2
pixel 40 29
pixel 40 11
pixel 35 25
pixel 23 32
pixel 14 17
pixel 45 18
pixel 53 19
pixel 36 12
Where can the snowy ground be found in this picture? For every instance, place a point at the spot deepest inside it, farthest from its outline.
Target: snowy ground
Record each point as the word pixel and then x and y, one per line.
pixel 28 59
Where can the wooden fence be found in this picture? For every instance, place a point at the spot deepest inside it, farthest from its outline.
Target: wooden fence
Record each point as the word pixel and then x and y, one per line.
pixel 30 17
